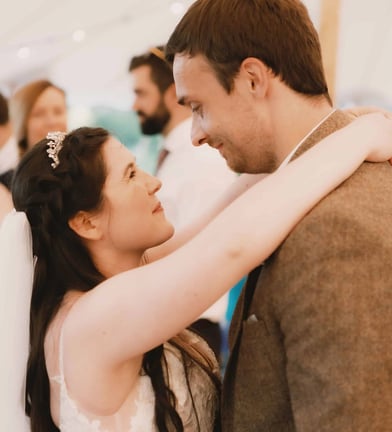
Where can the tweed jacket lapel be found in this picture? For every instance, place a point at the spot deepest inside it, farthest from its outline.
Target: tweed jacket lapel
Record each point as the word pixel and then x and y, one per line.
pixel 242 307
pixel 335 121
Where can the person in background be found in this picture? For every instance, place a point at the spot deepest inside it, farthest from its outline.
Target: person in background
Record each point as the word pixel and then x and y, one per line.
pixel 311 337
pixel 192 179
pixel 8 147
pixel 8 157
pixel 36 109
pixel 113 289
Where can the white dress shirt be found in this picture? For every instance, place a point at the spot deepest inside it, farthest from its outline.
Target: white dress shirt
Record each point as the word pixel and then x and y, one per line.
pixel 192 179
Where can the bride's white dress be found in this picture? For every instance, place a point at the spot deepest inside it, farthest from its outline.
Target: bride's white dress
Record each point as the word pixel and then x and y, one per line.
pixel 16 276
pixel 205 398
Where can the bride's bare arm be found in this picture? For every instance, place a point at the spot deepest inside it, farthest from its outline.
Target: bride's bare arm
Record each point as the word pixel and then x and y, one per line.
pixel 238 187
pixel 243 183
pixel 139 309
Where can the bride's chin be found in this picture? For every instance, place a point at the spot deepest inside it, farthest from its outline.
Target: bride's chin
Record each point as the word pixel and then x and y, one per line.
pixel 171 230
pixel 165 235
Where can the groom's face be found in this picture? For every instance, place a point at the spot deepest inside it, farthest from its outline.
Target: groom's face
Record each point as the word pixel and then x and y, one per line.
pixel 232 123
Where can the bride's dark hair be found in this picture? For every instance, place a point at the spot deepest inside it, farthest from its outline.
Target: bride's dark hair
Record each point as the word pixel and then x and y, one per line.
pixel 50 197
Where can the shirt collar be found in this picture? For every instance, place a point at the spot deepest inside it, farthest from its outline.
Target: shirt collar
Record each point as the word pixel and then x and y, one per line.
pixel 291 154
pixel 175 138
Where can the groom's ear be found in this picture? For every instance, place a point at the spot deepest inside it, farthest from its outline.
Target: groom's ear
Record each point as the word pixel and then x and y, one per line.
pixel 84 224
pixel 257 76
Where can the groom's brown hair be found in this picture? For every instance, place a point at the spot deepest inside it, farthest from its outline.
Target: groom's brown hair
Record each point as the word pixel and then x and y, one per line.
pixel 280 33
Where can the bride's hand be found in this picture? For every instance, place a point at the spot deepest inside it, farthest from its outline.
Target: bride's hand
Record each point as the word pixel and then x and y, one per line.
pixel 374 131
pixel 355 112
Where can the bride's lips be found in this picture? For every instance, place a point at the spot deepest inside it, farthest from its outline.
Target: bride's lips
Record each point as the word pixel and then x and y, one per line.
pixel 158 208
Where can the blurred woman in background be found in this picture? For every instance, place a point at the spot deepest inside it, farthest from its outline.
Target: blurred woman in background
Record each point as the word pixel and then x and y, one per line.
pixel 36 109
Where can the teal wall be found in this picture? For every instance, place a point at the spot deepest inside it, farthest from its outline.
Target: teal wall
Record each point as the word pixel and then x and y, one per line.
pixel 124 125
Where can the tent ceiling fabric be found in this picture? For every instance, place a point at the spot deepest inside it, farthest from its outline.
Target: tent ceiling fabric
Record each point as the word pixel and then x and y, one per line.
pixel 94 70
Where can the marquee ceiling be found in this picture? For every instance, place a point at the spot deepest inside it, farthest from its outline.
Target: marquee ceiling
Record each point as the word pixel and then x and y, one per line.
pixel 44 38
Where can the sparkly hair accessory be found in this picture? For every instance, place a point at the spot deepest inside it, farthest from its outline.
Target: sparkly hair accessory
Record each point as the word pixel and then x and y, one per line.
pixel 55 144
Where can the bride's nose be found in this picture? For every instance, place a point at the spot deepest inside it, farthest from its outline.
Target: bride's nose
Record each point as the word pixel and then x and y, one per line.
pixel 153 184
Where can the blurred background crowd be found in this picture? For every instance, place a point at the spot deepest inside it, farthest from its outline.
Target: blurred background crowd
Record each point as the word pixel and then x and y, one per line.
pixel 85 48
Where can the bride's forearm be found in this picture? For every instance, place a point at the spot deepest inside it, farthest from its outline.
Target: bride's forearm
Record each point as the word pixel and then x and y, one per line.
pixel 238 187
pixel 269 210
pixel 295 189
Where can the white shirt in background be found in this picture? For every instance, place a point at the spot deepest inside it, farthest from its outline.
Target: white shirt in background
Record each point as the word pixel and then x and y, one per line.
pixel 192 179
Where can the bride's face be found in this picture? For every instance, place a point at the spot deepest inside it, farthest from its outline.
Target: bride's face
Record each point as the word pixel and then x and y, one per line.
pixel 132 216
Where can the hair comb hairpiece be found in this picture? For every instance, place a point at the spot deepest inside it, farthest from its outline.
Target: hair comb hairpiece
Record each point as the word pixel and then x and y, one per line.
pixel 55 144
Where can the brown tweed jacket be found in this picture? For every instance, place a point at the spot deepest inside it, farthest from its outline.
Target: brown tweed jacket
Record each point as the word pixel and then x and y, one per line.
pixel 311 338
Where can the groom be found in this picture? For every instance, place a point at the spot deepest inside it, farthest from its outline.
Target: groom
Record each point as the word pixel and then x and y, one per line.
pixel 311 338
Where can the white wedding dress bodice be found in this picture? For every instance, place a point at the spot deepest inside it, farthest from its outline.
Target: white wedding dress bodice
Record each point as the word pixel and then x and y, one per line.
pixel 204 394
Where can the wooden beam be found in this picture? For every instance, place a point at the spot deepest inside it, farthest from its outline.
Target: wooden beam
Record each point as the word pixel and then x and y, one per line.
pixel 329 38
